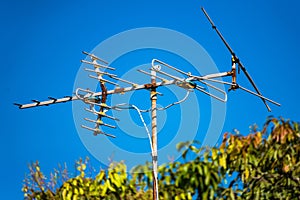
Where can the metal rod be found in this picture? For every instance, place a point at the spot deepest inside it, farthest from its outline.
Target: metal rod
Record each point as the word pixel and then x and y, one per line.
pixel 125 81
pixel 147 73
pixel 218 32
pixel 210 94
pixel 94 57
pixel 216 75
pixel 153 97
pixel 245 89
pixel 218 81
pixel 97 71
pixel 102 114
pixel 103 80
pixel 97 64
pixel 262 97
pixel 169 75
pixel 169 66
pixel 98 104
pixel 101 123
pixel 97 131
pixel 181 82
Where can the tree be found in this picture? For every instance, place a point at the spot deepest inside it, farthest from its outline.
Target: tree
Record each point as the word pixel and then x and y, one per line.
pixel 266 164
pixel 261 165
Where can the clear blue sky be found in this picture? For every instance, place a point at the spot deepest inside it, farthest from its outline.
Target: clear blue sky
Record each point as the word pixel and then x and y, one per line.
pixel 41 44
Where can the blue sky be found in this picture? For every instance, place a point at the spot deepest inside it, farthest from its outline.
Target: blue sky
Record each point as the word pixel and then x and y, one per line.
pixel 41 44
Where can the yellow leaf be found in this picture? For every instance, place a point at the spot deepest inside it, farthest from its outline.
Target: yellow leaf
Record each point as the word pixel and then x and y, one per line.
pixel 81 191
pixel 247 173
pixel 74 182
pixel 69 195
pixel 182 196
pixel 76 191
pixel 100 176
pixel 75 197
pixel 104 189
pixel 116 180
pixel 64 194
pixel 109 186
pixel 214 153
pixel 67 186
pixel 222 161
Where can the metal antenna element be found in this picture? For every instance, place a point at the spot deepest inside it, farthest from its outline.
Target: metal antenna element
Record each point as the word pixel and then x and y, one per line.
pixel 236 60
pixel 93 57
pixel 94 101
pixel 189 82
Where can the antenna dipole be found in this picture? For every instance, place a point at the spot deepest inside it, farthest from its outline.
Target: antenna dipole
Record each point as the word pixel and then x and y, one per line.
pixel 236 60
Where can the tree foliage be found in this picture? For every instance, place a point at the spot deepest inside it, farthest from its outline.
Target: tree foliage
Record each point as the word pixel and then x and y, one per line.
pixel 264 164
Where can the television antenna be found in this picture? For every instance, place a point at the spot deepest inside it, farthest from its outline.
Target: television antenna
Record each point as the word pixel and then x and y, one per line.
pixel 96 100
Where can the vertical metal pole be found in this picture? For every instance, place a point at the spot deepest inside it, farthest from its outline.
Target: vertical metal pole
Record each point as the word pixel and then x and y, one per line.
pixel 233 74
pixel 233 70
pixel 153 97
